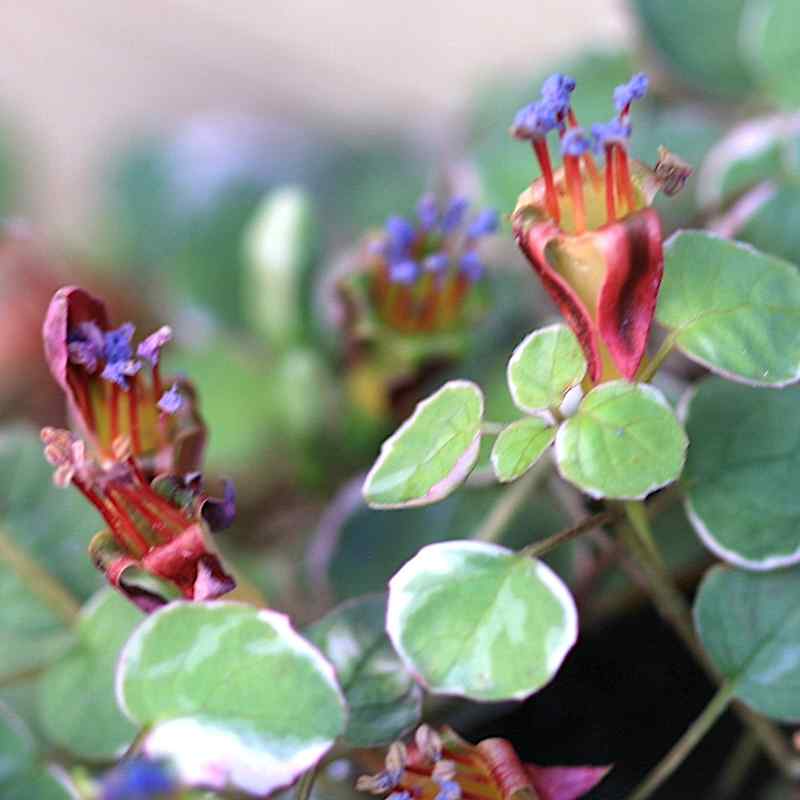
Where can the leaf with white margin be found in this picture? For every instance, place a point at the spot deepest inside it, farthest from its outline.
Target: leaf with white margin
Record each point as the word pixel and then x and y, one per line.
pixel 624 442
pixel 77 706
pixel 384 700
pixel 235 697
pixel 732 308
pixel 432 452
pixel 477 620
pixel 544 367
pixel 741 473
pixel 519 447
pixel 749 624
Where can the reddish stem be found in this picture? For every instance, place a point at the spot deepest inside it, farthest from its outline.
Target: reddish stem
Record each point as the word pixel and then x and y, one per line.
pixel 611 210
pixel 624 184
pixel 140 544
pixel 160 527
pixel 572 170
pixel 96 501
pixel 80 391
pixel 551 198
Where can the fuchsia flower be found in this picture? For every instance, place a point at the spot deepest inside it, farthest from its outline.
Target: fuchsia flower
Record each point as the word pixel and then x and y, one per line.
pixel 587 229
pixel 442 766
pixel 137 458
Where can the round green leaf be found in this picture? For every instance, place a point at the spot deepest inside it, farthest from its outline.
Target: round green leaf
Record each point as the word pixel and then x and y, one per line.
pixel 732 309
pixel 699 41
pixel 544 367
pixel 740 477
pixel 623 443
pixel 432 452
pixel 235 696
pixel 749 624
pixel 77 706
pixel 22 777
pixel 519 446
pixel 384 700
pixel 476 620
pixel 771 34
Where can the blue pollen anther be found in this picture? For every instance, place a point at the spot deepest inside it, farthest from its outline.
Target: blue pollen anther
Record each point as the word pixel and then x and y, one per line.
pixel 171 401
pixel 436 262
pixel 404 272
pixel 634 89
pixel 401 235
pixel 117 346
pixel 454 214
pixel 484 224
pixel 471 266
pixel 536 120
pixel 613 132
pixel 575 142
pixel 428 211
pixel 137 779
pixel 558 85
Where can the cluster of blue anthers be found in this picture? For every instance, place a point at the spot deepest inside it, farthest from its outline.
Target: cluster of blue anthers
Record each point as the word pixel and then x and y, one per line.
pixel 437 241
pixel 90 347
pixel 553 111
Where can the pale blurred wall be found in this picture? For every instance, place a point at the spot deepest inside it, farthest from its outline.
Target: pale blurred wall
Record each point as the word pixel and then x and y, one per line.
pixel 78 75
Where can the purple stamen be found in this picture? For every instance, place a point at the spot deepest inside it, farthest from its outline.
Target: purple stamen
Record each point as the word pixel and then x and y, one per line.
pixel 484 224
pixel 150 348
pixel 404 272
pixel 454 215
pixel 171 401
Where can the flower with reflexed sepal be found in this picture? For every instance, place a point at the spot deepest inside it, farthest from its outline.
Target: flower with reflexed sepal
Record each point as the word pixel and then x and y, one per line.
pixel 588 230
pixel 137 457
pixel 442 766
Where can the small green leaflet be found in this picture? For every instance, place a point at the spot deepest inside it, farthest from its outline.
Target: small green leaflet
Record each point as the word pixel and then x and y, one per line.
pixel 519 447
pixel 432 452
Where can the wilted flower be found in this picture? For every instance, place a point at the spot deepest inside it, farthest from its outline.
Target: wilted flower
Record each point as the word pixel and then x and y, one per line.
pixel 115 388
pixel 159 529
pixel 137 457
pixel 442 766
pixel 588 230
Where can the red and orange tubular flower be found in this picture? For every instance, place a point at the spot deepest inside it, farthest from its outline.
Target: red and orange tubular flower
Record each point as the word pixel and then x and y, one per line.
pixel 136 459
pixel 442 766
pixel 108 392
pixel 587 229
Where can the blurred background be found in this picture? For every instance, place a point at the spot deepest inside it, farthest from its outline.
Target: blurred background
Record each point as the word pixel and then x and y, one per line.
pixel 215 166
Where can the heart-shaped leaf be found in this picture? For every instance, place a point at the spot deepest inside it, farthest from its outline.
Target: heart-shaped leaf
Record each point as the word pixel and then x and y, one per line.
pixel 235 696
pixel 384 700
pixel 732 309
pixel 432 452
pixel 77 706
pixel 749 624
pixel 623 443
pixel 475 619
pixel 740 477
pixel 544 367
pixel 519 446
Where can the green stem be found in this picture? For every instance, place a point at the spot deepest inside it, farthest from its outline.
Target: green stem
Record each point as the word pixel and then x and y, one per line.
pixel 306 784
pixel 636 512
pixel 648 370
pixel 538 549
pixel 673 607
pixel 492 428
pixel 676 756
pixel 738 766
pixel 511 501
pixel 48 588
